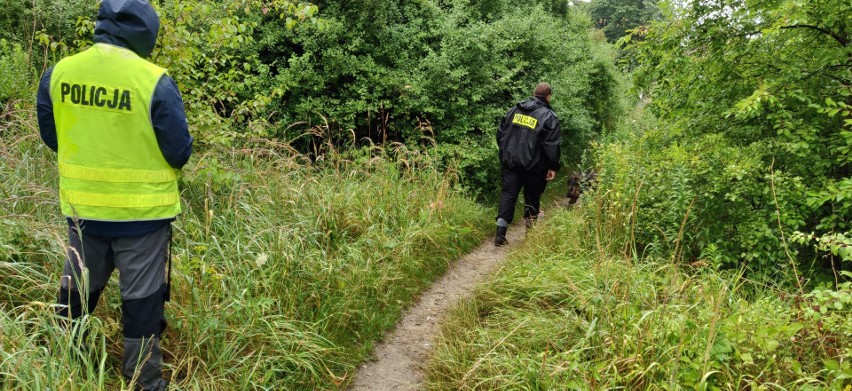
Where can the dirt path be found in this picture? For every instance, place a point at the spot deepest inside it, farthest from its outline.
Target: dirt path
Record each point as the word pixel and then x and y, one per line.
pixel 400 358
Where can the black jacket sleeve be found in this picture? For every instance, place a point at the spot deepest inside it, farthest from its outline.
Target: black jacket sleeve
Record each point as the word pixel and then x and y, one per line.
pixel 501 122
pixel 169 121
pixel 501 133
pixel 550 144
pixel 44 109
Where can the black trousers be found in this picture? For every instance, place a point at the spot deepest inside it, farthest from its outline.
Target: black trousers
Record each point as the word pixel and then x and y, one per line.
pixel 533 184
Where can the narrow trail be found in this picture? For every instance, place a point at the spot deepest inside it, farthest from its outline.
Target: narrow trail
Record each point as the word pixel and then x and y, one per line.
pixel 400 358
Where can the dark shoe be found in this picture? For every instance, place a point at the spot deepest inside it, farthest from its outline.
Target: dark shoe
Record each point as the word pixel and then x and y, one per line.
pixel 500 238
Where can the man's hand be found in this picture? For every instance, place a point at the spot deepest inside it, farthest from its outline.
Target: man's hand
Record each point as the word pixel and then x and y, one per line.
pixel 550 175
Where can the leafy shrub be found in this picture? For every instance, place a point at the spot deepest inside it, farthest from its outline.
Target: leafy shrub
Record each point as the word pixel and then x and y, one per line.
pixel 380 73
pixel 16 78
pixel 349 73
pixel 617 17
pixel 478 167
pixel 48 29
pixel 746 150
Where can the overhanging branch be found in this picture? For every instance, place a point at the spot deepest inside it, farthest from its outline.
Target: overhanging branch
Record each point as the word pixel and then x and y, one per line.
pixel 840 39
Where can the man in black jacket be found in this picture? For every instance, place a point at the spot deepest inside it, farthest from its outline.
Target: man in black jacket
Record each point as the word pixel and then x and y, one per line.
pixel 528 137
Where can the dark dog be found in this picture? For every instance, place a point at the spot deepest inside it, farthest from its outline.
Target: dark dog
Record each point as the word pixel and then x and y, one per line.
pixel 574 189
pixel 578 182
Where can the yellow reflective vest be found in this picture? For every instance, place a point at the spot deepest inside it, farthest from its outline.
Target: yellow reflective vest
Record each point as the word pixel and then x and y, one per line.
pixel 110 166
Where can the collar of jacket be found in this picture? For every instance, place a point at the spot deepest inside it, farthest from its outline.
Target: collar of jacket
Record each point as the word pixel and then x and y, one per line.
pixel 542 100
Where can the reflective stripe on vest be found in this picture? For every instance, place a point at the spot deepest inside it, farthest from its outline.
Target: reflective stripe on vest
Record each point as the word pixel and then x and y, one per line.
pixel 119 200
pixel 116 175
pixel 110 165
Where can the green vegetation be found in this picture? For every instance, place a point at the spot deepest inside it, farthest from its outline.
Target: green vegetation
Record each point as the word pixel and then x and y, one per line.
pixel 291 258
pixel 283 273
pixel 415 72
pixel 751 139
pixel 616 18
pixel 340 148
pixel 714 253
pixel 570 312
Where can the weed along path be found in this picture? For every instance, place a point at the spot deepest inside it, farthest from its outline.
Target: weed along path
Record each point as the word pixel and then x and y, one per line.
pixel 400 358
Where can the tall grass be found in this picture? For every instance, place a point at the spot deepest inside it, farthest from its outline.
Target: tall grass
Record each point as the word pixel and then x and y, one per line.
pixel 610 296
pixel 571 311
pixel 284 272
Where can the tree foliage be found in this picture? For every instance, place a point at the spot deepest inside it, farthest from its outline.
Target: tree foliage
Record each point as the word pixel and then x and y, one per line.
pixel 349 73
pixel 617 17
pixel 439 70
pixel 753 100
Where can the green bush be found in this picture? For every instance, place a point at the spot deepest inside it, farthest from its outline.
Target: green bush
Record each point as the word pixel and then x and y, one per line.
pixel 345 73
pixel 49 29
pixel 704 199
pixel 386 73
pixel 16 80
pixel 745 150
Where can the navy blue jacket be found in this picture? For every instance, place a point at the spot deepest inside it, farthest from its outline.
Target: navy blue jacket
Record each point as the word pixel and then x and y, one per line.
pixel 133 25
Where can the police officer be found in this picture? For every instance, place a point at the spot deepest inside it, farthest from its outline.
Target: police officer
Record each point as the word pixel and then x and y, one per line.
pixel 119 129
pixel 528 138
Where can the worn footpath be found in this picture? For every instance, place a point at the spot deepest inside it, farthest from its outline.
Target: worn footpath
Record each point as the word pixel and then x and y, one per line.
pixel 401 357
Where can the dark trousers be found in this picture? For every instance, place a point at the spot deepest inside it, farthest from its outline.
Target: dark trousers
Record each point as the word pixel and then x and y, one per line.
pixel 141 263
pixel 533 184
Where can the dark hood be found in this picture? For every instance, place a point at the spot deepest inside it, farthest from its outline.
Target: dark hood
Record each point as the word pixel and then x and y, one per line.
pixel 532 104
pixel 132 24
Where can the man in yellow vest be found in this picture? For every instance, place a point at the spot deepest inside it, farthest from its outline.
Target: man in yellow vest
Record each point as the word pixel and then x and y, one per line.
pixel 119 129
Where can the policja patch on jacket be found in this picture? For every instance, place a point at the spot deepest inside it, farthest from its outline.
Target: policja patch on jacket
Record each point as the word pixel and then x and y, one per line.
pixel 525 120
pixel 113 99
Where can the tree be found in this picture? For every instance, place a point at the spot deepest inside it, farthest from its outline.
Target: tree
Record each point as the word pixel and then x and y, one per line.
pixel 616 17
pixel 755 100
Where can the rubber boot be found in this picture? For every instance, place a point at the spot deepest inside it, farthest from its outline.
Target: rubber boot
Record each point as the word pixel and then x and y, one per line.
pixel 144 361
pixel 500 238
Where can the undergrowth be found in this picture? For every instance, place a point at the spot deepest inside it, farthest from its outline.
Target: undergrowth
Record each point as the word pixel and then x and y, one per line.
pixel 284 271
pixel 569 311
